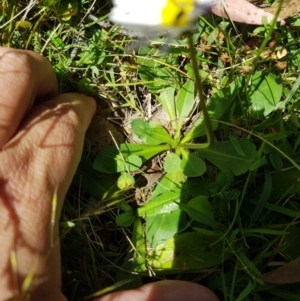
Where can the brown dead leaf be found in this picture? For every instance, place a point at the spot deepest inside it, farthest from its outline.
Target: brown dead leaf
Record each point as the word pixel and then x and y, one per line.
pixel 282 52
pixel 289 8
pixel 272 45
pixel 287 273
pixel 281 66
pixel 246 69
pixel 225 57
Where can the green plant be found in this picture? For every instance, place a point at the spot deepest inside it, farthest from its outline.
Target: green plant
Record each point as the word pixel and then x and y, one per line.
pixel 222 215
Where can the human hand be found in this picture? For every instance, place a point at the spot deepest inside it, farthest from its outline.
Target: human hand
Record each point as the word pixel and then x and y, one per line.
pixel 41 140
pixel 40 145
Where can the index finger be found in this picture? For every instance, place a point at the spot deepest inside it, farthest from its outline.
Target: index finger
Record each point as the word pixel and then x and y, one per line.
pixel 24 76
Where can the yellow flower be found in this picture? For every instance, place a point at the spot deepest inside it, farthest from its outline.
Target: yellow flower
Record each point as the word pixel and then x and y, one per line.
pixel 151 17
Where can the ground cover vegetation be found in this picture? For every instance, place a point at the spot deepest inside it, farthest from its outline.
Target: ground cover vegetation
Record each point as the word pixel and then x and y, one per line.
pixel 151 200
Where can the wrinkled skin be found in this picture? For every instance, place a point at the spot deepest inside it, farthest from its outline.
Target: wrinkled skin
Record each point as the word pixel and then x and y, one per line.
pixel 241 11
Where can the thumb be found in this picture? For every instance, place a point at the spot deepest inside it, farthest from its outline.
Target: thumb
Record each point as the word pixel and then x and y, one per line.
pixel 167 290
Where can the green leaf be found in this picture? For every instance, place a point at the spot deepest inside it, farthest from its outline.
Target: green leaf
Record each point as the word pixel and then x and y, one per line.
pixel 282 210
pixel 136 259
pixel 130 163
pixel 285 183
pixel 67 8
pixel 125 181
pixel 199 186
pixel 285 294
pixel 85 85
pixel 265 93
pixel 217 106
pixel 268 122
pixel 201 204
pixel 246 291
pixel 170 182
pixel 192 165
pixel 247 263
pixel 67 224
pixel 154 72
pixel 48 3
pixel 276 160
pixel 291 247
pixel 89 179
pixel 125 219
pixel 144 151
pixel 207 232
pixel 172 163
pixel 296 22
pixel 231 194
pixel 164 203
pixel 224 178
pixel 166 99
pixel 161 227
pixel 151 132
pixel 110 161
pixel 274 136
pixel 263 199
pixel 225 157
pixel 236 145
pixel 200 216
pixel 259 163
pixel 185 101
pixel 186 252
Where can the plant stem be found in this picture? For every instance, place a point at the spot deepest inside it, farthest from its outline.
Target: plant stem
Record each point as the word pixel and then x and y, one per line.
pixel 199 89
